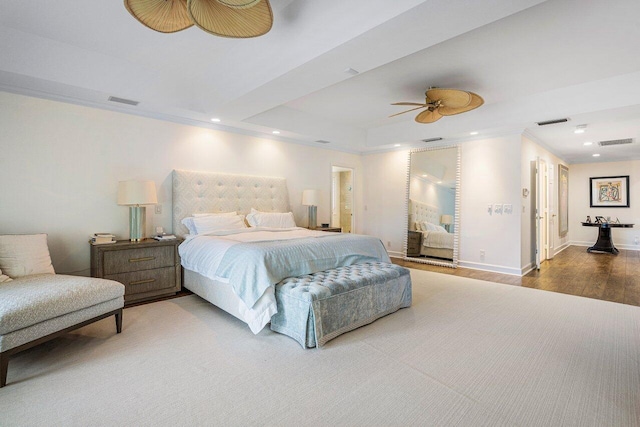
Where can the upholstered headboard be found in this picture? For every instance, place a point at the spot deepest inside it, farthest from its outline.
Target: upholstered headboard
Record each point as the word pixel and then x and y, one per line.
pixel 419 211
pixel 199 192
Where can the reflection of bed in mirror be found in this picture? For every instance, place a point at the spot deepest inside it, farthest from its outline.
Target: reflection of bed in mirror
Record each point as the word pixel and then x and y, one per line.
pixel 436 242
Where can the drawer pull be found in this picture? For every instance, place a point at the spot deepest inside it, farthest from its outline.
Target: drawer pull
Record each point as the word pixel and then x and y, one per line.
pixel 140 282
pixel 148 258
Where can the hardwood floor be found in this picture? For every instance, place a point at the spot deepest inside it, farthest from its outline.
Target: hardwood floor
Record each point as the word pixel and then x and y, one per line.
pixel 573 271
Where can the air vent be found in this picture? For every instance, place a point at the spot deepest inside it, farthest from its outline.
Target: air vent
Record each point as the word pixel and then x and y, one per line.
pixel 123 100
pixel 432 139
pixel 552 122
pixel 322 141
pixel 615 142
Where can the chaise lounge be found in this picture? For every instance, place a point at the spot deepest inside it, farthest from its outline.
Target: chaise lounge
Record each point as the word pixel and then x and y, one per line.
pixel 37 305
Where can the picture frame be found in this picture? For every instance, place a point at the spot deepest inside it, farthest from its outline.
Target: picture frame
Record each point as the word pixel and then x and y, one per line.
pixel 609 192
pixel 563 200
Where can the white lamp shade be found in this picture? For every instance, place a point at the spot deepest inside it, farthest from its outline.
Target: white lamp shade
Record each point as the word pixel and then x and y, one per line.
pixel 137 193
pixel 310 197
pixel 446 219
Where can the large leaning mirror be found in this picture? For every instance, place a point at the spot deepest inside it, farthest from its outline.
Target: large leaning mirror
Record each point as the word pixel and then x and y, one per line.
pixel 433 206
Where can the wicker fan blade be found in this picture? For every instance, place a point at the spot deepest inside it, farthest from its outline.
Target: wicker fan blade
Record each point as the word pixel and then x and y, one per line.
pixel 220 20
pixel 413 109
pixel 409 103
pixel 428 116
pixel 239 4
pixel 165 16
pixel 451 98
pixel 476 101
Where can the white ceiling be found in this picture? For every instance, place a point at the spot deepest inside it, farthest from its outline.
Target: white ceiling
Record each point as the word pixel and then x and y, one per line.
pixel 530 60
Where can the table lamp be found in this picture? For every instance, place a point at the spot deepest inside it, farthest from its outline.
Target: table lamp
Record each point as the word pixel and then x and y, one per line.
pixel 446 220
pixel 135 194
pixel 311 198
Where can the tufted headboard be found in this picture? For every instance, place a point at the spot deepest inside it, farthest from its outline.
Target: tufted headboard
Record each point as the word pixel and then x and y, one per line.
pixel 195 192
pixel 419 211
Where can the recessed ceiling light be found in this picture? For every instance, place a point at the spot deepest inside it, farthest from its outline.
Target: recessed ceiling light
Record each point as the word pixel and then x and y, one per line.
pixel 588 143
pixel 580 129
pixel 276 132
pixel 215 120
pixel 596 155
pixel 396 145
pixel 424 176
pixel 473 133
pixel 439 182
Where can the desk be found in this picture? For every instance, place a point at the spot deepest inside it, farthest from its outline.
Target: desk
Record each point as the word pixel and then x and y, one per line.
pixel 605 241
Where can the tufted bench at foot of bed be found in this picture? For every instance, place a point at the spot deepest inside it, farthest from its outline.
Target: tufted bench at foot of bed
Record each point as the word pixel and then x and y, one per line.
pixel 315 308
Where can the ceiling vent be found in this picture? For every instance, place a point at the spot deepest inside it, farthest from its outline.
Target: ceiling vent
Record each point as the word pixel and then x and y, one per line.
pixel 322 141
pixel 432 139
pixel 552 122
pixel 615 142
pixel 123 100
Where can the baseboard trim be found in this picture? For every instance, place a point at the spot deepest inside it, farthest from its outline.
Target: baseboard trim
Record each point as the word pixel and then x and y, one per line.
pixel 490 267
pixel 618 245
pixel 395 254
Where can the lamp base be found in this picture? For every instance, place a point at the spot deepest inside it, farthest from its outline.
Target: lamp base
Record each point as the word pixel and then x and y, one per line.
pixel 313 217
pixel 137 223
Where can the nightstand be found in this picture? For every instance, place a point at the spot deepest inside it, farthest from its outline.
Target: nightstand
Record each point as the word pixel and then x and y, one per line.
pixel 414 241
pixel 332 229
pixel 148 269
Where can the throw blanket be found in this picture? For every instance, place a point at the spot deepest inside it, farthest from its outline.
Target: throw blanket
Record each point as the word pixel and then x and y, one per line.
pixel 251 268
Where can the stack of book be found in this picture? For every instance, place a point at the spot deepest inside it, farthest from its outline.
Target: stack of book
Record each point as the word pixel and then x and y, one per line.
pixel 102 238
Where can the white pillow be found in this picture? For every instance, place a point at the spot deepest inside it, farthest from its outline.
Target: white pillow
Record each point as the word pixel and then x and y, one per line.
pixel 188 221
pixel 24 255
pixel 427 226
pixel 4 277
pixel 213 223
pixel 271 219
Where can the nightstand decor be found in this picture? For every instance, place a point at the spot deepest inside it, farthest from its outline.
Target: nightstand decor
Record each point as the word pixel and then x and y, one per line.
pixel 135 194
pixel 311 198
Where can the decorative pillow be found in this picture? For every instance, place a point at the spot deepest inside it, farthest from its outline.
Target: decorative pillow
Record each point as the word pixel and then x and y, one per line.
pixel 271 219
pixel 4 277
pixel 24 255
pixel 213 223
pixel 188 222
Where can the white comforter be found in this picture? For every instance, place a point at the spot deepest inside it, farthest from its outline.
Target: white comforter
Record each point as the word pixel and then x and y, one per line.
pixel 437 239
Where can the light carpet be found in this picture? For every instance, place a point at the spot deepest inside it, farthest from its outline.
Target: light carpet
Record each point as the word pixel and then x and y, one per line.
pixel 466 353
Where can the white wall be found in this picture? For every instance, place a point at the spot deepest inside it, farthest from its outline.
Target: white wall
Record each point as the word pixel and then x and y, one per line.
pixel 530 153
pixel 579 208
pixel 490 174
pixel 60 164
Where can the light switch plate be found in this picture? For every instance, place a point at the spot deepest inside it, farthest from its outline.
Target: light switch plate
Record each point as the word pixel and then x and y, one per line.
pixel 497 208
pixel 508 209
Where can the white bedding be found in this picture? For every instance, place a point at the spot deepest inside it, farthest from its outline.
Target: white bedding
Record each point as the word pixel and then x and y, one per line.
pixel 437 239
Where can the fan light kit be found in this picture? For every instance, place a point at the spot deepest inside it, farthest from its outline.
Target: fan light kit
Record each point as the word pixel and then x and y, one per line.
pixel 224 18
pixel 443 102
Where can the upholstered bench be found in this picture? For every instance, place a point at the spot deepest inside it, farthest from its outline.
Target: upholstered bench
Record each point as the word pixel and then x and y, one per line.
pixel 314 308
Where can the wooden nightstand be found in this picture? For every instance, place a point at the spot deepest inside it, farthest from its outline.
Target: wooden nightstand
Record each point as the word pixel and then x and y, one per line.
pixel 332 229
pixel 148 269
pixel 414 241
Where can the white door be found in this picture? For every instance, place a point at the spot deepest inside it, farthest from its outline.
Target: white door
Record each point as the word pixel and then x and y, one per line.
pixel 538 209
pixel 541 184
pixel 551 211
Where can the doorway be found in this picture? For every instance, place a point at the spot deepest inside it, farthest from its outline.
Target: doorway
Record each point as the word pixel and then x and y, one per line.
pixel 342 198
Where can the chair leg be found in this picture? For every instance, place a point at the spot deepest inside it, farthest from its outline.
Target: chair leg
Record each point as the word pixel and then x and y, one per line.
pixel 119 321
pixel 4 366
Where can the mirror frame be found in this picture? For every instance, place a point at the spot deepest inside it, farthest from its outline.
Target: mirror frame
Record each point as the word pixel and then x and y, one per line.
pixel 456 220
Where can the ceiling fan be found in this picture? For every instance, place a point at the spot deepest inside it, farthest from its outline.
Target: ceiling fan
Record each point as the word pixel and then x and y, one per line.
pixel 225 18
pixel 443 102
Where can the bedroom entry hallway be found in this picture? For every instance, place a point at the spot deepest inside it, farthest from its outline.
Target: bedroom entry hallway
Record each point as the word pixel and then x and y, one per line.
pixel 342 198
pixel 573 271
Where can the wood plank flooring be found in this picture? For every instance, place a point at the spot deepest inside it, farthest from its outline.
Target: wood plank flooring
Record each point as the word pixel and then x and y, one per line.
pixel 573 271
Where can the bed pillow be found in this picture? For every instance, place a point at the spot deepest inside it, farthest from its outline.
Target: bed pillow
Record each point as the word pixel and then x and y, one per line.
pixel 441 229
pixel 188 222
pixel 213 223
pixel 271 219
pixel 427 226
pixel 24 255
pixel 417 225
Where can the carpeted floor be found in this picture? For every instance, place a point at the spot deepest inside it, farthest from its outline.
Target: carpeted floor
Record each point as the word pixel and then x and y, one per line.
pixel 467 353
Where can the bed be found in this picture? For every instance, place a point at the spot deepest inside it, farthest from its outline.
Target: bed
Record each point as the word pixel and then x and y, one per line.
pixel 436 241
pixel 236 270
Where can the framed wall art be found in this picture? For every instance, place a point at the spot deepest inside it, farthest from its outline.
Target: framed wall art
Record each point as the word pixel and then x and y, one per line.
pixel 609 192
pixel 563 200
